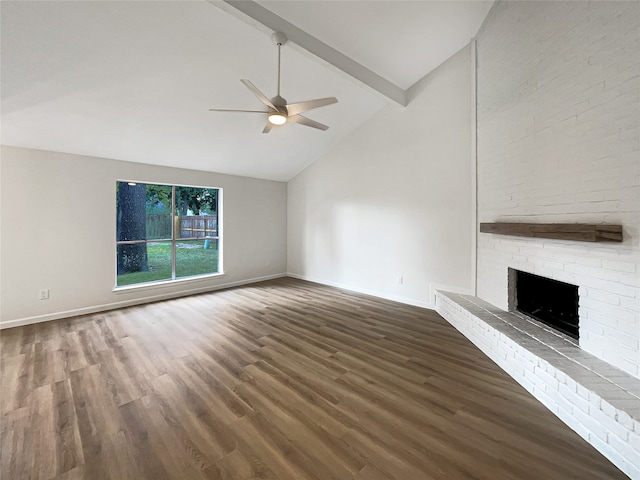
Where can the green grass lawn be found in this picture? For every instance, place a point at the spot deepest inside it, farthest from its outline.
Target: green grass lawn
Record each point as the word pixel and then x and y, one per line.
pixel 191 259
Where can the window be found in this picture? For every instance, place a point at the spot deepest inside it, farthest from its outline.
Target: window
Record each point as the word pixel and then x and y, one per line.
pixel 166 232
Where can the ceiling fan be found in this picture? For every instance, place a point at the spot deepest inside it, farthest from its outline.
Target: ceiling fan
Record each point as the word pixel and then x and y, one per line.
pixel 279 111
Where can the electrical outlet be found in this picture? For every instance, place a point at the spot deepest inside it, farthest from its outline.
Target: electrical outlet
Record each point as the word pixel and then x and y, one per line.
pixel 44 294
pixel 401 280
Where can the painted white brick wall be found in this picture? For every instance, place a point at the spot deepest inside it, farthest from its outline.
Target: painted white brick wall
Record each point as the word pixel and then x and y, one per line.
pixel 559 141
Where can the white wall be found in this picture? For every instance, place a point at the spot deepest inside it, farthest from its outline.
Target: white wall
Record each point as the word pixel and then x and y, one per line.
pixel 59 230
pixel 395 199
pixel 558 141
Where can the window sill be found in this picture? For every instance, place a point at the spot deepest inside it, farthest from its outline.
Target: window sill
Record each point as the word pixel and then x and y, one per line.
pixel 165 283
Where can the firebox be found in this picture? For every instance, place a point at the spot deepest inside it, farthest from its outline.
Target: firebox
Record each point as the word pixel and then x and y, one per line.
pixel 549 301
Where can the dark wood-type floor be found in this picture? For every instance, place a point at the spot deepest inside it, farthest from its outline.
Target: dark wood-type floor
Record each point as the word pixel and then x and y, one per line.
pixel 283 380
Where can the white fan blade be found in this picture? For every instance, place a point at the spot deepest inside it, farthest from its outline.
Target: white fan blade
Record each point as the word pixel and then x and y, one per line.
pixel 306 121
pixel 261 96
pixel 295 108
pixel 241 111
pixel 267 128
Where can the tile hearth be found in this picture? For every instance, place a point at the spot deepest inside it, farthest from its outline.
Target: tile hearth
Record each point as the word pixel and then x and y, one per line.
pixel 600 402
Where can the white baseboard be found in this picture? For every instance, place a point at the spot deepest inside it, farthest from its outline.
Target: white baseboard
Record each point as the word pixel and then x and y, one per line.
pixel 129 303
pixel 373 293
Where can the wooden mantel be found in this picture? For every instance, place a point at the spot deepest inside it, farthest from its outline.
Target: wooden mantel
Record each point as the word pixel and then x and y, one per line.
pixel 582 232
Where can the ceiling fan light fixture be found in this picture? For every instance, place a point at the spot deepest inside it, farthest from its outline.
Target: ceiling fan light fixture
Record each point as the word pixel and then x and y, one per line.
pixel 279 111
pixel 277 119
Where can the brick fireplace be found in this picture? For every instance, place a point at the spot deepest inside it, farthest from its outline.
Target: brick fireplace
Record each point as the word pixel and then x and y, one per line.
pixel 607 283
pixel 558 141
pixel 558 129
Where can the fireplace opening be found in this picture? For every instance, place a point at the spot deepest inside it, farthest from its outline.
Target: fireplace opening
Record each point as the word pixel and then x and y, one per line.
pixel 551 302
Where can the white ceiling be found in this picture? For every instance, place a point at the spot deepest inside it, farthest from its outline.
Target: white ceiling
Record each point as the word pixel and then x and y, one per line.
pixel 400 40
pixel 134 80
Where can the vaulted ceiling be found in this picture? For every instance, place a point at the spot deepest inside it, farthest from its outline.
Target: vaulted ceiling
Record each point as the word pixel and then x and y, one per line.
pixel 134 80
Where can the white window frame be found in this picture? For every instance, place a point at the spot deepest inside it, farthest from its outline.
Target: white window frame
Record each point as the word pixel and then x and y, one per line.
pixel 173 240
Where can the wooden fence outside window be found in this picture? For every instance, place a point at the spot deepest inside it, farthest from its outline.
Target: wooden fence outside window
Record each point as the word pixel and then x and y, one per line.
pixel 195 226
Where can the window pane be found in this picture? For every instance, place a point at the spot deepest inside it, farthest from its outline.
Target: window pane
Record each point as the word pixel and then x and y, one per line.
pixel 153 262
pixel 197 211
pixel 131 211
pixel 158 212
pixel 143 211
pixel 196 257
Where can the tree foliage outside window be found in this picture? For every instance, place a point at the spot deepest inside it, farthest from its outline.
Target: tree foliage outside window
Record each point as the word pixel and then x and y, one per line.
pixel 165 232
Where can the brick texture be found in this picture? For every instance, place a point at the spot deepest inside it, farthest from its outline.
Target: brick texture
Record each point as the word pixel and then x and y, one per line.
pixel 558 123
pixel 569 382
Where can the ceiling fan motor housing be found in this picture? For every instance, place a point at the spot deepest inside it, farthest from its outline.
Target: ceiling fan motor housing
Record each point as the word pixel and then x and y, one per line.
pixel 280 103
